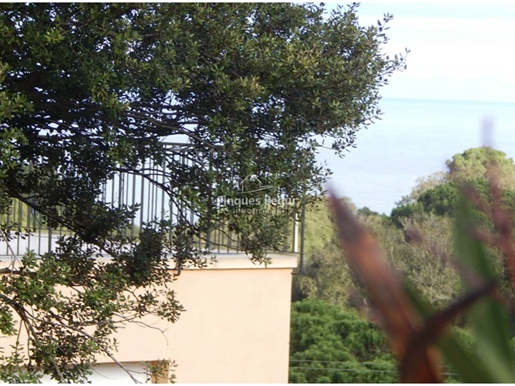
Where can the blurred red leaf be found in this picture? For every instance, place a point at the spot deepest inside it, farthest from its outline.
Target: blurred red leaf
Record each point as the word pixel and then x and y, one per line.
pixel 397 315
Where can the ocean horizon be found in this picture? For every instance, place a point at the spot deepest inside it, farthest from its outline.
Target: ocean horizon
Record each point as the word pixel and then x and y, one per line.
pixel 413 139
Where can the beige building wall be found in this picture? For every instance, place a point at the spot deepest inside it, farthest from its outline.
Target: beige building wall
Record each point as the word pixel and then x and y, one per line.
pixel 235 328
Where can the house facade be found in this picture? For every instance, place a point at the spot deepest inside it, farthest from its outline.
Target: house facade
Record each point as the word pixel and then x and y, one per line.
pixel 235 328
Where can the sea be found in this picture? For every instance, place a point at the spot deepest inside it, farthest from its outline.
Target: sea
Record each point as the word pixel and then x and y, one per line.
pixel 413 139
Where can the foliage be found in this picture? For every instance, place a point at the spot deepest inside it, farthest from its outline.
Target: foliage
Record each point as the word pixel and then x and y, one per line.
pixel 443 199
pixel 329 345
pixel 161 371
pixel 366 212
pixel 421 185
pixel 90 90
pixel 318 227
pixel 474 163
pixel 423 265
pixel 323 274
pixel 326 276
pixel 439 193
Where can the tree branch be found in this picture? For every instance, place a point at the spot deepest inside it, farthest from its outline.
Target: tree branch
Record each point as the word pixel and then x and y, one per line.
pixel 20 310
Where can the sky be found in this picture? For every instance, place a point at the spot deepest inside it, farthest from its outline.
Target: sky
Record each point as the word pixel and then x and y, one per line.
pixel 458 50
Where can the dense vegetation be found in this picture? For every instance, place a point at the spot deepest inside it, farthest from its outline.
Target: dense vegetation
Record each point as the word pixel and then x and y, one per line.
pixel 331 345
pixel 331 292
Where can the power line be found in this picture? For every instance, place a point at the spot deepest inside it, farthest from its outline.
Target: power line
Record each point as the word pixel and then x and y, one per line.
pixel 346 370
pixel 344 362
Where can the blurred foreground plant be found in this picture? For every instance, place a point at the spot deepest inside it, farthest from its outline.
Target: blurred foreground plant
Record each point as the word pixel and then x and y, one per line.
pixel 420 335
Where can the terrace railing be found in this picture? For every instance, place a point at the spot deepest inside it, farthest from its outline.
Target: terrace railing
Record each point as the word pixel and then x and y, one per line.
pixel 155 203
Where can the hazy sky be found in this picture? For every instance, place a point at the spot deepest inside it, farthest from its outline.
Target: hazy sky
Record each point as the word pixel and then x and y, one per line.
pixel 459 50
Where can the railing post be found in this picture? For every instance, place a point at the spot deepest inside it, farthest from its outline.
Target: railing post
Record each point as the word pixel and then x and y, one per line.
pixel 210 206
pixel 49 239
pixel 295 237
pixel 302 233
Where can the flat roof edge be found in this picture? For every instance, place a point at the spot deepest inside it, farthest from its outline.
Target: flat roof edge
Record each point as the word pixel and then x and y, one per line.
pixel 220 261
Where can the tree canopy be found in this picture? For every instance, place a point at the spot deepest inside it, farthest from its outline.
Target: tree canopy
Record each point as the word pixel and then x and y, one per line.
pixel 334 345
pixel 440 192
pixel 90 90
pixel 331 345
pixel 473 163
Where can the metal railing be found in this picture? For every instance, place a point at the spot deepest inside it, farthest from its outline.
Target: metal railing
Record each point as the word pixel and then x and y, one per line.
pixel 153 189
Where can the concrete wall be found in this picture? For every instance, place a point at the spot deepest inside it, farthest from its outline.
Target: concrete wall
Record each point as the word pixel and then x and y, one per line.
pixel 235 328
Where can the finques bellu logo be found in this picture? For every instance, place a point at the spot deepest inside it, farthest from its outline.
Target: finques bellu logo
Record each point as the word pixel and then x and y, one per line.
pixel 249 197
